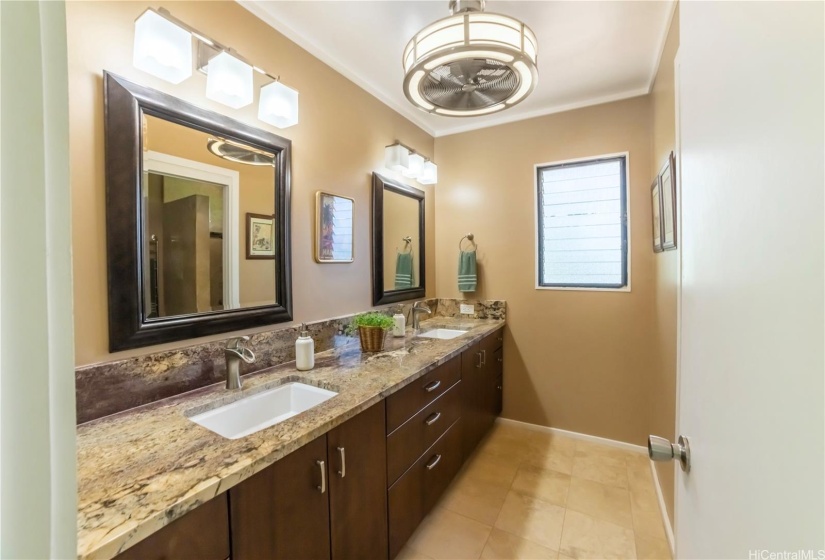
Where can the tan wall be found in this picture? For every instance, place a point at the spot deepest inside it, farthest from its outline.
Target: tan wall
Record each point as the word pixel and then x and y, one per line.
pixel 336 146
pixel 575 360
pixel 400 220
pixel 663 378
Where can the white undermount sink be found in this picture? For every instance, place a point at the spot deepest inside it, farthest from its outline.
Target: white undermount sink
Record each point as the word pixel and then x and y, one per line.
pixel 442 334
pixel 262 410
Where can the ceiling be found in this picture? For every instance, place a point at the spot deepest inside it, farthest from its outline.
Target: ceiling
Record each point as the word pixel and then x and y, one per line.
pixel 589 52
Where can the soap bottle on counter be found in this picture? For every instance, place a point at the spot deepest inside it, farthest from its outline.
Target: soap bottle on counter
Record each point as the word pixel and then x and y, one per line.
pixel 304 350
pixel 399 326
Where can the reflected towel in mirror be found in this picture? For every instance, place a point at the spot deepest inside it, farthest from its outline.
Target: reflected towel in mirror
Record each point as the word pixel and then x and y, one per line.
pixel 404 275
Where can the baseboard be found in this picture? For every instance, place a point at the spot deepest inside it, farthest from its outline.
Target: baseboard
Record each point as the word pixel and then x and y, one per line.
pixel 575 435
pixel 613 443
pixel 671 540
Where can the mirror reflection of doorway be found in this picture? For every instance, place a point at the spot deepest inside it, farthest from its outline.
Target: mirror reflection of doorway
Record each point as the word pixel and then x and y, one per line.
pixel 190 239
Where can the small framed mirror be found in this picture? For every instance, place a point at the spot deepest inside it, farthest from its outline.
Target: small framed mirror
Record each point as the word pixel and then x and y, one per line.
pixel 334 234
pixel 197 220
pixel 398 269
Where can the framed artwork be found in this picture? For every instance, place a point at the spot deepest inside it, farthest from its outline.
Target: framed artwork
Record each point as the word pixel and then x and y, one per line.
pixel 656 204
pixel 667 188
pixel 260 236
pixel 334 228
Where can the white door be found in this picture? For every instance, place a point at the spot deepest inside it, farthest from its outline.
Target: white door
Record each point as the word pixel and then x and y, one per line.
pixel 751 365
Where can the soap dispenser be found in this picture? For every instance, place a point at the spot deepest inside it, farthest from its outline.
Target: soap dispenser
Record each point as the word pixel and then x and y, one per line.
pixel 304 350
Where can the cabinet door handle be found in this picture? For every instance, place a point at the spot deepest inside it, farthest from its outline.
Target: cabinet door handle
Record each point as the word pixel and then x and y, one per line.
pixel 343 471
pixel 432 419
pixel 484 357
pixel 432 386
pixel 501 339
pixel 498 387
pixel 479 360
pixel 322 465
pixel 501 360
pixel 433 462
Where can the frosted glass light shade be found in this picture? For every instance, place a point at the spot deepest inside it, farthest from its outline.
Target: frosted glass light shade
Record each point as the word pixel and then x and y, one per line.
pixel 397 158
pixel 161 48
pixel 229 81
pixel 429 174
pixel 278 105
pixel 416 166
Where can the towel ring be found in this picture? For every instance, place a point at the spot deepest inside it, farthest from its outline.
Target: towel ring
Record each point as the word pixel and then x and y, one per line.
pixel 469 237
pixel 407 243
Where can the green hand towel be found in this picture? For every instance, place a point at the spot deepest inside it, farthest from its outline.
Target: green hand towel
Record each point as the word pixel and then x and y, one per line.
pixel 404 274
pixel 467 276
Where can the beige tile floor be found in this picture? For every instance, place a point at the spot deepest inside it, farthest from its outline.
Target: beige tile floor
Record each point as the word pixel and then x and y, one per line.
pixel 534 495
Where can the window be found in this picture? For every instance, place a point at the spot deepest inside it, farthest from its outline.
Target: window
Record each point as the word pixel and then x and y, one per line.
pixel 582 224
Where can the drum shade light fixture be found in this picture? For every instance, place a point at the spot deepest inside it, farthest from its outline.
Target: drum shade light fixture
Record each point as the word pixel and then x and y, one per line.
pixel 163 48
pixel 470 63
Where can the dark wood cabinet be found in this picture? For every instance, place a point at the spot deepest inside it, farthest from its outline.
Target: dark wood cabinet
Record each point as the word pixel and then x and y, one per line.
pixel 327 499
pixel 358 486
pixel 202 534
pixel 482 380
pixel 281 512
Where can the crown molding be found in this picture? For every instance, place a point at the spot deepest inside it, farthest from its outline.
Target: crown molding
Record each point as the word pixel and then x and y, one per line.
pixel 657 59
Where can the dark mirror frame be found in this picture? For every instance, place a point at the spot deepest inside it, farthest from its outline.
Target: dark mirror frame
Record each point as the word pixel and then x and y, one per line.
pixel 128 327
pixel 380 294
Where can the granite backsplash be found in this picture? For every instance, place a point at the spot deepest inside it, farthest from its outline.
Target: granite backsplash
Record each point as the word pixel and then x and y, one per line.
pixel 112 387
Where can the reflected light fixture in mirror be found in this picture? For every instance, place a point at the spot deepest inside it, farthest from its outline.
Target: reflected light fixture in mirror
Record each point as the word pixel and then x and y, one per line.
pixel 278 105
pixel 229 81
pixel 239 153
pixel 162 48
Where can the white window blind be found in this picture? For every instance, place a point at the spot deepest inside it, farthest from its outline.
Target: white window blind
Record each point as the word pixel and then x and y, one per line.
pixel 582 217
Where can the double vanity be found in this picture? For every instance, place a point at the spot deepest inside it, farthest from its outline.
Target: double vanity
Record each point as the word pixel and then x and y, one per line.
pixel 343 461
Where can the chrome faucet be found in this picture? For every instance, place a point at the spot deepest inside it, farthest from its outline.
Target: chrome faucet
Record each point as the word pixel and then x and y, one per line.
pixel 418 307
pixel 234 352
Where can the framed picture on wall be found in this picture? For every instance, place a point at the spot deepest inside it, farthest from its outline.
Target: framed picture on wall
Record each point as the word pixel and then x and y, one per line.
pixel 334 228
pixel 656 204
pixel 260 236
pixel 667 187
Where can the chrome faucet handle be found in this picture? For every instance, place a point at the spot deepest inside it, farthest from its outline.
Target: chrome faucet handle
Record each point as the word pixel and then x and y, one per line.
pixel 237 347
pixel 237 342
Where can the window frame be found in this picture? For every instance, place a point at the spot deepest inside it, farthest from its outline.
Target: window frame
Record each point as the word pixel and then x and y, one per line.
pixel 626 237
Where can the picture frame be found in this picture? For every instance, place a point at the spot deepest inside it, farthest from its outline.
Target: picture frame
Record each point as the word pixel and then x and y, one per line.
pixel 260 236
pixel 667 189
pixel 334 228
pixel 656 206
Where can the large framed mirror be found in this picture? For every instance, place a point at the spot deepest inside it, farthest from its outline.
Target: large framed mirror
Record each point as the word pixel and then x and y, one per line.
pixel 398 260
pixel 197 220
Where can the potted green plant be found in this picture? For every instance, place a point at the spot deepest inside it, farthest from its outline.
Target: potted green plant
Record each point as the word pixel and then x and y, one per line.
pixel 372 329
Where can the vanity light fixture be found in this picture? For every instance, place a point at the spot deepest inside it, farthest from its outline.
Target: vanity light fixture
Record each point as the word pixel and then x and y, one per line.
pixel 229 81
pixel 416 166
pixel 163 48
pixel 429 174
pixel 278 105
pixel 409 163
pixel 470 63
pixel 239 153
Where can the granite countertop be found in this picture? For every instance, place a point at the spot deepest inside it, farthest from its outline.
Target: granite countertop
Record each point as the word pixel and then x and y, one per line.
pixel 143 468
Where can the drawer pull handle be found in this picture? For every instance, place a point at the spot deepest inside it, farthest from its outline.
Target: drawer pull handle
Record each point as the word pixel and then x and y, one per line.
pixel 433 462
pixel 432 386
pixel 343 471
pixel 478 366
pixel 498 387
pixel 501 360
pixel 322 466
pixel 432 419
pixel 484 357
pixel 501 339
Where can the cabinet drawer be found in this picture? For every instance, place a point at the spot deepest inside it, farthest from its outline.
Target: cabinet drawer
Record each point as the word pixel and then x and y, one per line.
pixel 404 404
pixel 407 443
pixel 490 344
pixel 417 491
